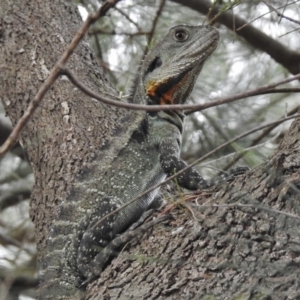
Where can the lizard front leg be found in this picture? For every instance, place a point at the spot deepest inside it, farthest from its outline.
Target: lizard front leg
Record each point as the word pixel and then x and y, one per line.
pixel 171 163
pixel 190 179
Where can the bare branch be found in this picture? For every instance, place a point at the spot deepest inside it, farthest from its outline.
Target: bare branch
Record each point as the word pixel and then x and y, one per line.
pixel 259 138
pixel 95 31
pixel 128 18
pixel 280 14
pixel 8 240
pixel 154 23
pixel 193 107
pixel 271 10
pixel 5 131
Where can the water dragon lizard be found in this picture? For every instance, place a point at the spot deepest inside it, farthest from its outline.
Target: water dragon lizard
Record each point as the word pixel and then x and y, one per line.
pixel 140 156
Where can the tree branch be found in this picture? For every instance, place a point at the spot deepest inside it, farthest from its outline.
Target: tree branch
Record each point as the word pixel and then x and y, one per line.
pixel 270 88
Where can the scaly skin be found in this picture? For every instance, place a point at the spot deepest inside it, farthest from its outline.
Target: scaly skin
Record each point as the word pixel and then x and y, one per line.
pixel 139 156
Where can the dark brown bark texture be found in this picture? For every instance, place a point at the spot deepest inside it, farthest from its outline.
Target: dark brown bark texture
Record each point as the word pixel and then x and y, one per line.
pixel 68 126
pixel 247 248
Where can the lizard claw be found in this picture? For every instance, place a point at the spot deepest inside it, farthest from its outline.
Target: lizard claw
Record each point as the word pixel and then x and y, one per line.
pixel 229 176
pixel 239 170
pixel 87 281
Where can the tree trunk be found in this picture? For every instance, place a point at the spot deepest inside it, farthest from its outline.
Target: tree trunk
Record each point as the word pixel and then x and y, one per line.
pixel 68 126
pixel 247 248
pixel 241 242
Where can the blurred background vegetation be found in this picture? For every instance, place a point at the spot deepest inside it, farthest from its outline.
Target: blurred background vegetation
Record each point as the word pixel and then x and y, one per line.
pixel 120 40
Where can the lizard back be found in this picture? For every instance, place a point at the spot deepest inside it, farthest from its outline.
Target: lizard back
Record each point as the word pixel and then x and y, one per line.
pixel 144 149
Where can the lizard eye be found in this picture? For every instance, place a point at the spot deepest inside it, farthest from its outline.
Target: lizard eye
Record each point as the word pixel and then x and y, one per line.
pixel 180 35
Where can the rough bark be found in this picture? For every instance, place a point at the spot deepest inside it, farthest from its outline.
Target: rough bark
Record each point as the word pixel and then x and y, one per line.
pixel 67 128
pixel 247 248
pixel 244 252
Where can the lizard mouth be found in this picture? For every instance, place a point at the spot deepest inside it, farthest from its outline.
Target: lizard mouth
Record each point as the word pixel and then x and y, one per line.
pixel 171 74
pixel 168 90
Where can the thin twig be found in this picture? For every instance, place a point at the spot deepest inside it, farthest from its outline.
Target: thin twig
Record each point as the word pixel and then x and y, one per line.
pixel 256 206
pixel 260 137
pixel 283 6
pixel 154 23
pixel 241 152
pixel 13 137
pixel 129 18
pixel 193 107
pixel 288 32
pixel 95 31
pixel 280 14
pixel 238 205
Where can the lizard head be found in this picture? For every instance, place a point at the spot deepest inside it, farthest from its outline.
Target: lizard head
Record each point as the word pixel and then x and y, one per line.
pixel 171 68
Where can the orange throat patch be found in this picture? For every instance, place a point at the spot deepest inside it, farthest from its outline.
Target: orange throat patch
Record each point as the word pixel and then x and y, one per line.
pixel 165 92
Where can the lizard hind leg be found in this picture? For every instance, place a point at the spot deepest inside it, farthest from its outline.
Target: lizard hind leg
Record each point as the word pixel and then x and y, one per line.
pixel 98 240
pixel 94 237
pixel 112 249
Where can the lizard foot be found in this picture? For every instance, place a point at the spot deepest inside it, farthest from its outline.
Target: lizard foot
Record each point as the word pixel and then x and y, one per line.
pixel 228 176
pixel 112 248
